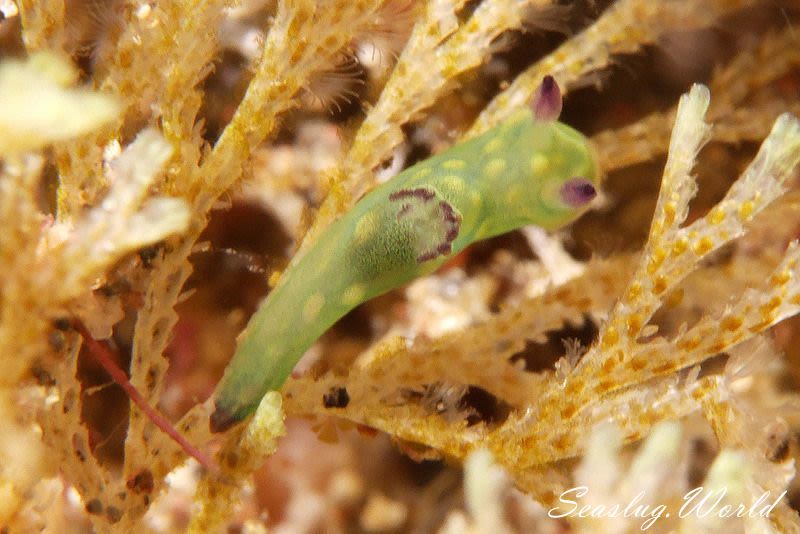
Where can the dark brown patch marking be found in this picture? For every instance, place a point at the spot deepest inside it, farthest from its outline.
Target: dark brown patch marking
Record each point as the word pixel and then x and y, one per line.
pixel 437 224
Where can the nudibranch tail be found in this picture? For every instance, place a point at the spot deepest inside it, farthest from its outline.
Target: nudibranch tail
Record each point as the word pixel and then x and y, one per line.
pixel 222 419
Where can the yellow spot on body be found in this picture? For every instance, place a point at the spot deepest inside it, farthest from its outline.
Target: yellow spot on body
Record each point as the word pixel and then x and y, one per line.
pixel 454 183
pixel 539 164
pixel 494 167
pixel 353 295
pixel 475 197
pixel 492 146
pixel 365 227
pixel 454 164
pixel 423 172
pixel 312 307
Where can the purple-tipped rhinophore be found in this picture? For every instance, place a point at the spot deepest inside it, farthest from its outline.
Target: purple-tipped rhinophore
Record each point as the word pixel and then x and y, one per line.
pixel 577 192
pixel 547 100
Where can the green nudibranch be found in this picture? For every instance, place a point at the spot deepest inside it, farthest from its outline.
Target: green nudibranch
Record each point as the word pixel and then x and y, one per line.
pixel 531 169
